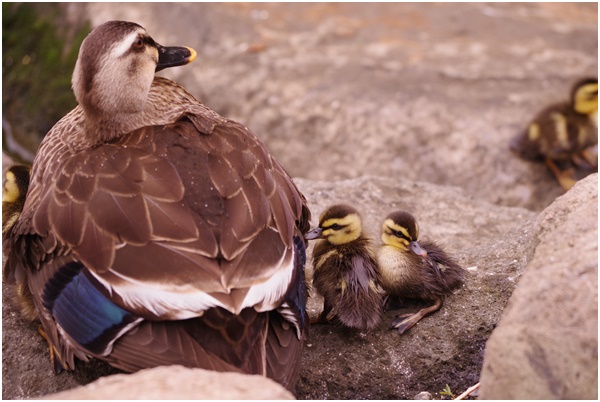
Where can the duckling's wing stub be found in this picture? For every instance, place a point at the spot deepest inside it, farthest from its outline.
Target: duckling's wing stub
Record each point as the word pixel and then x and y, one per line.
pixel 444 272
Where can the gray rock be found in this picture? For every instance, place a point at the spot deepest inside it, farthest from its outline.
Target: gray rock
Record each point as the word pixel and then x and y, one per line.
pixel 493 242
pixel 546 346
pixel 423 396
pixel 178 382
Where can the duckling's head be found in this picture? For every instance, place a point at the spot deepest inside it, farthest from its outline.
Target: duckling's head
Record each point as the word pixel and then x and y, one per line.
pixel 116 65
pixel 339 224
pixel 400 230
pixel 16 184
pixel 14 193
pixel 584 96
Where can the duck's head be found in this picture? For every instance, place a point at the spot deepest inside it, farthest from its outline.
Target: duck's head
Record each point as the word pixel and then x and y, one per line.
pixel 400 230
pixel 584 96
pixel 116 65
pixel 339 224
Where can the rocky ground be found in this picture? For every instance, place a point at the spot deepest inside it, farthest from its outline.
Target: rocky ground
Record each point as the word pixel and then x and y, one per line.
pixel 383 106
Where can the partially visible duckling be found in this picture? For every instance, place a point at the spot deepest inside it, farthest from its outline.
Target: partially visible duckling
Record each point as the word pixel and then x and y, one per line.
pixel 565 135
pixel 345 270
pixel 13 194
pixel 414 270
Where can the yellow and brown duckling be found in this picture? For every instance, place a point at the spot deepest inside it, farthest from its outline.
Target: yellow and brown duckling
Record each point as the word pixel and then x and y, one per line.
pixel 157 232
pixel 414 270
pixel 565 135
pixel 345 270
pixel 13 194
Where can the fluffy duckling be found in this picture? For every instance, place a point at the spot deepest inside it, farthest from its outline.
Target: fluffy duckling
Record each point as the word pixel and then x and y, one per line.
pixel 412 269
pixel 13 194
pixel 157 232
pixel 345 270
pixel 565 135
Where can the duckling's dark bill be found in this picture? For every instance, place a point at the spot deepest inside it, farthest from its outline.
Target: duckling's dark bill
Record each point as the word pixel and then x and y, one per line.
pixel 416 248
pixel 316 233
pixel 173 56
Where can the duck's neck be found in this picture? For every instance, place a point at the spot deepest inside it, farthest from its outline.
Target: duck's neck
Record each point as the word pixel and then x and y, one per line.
pixel 166 102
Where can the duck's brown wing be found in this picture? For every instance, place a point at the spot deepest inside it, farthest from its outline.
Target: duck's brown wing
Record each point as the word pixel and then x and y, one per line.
pixel 178 219
pixel 167 223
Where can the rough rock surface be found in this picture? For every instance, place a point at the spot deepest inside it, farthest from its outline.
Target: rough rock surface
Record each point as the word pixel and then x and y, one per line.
pixel 178 382
pixel 493 243
pixel 419 93
pixel 546 345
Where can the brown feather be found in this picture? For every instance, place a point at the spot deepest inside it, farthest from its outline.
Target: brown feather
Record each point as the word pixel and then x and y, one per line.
pixel 283 350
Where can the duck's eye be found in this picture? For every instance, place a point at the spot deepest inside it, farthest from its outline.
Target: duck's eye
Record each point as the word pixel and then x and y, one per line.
pixel 138 44
pixel 335 226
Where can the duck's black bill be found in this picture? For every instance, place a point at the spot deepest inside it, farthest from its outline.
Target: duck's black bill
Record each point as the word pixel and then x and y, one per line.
pixel 173 56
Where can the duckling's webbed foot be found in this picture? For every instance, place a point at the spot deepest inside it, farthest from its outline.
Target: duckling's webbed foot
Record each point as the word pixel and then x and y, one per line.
pixel 588 158
pixel 405 322
pixel 566 178
pixel 326 316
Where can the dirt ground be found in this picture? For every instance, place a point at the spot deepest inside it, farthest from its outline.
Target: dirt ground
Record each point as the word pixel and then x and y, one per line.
pixel 416 93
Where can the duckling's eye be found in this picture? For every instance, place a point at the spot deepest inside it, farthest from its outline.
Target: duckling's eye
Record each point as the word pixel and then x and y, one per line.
pixel 399 234
pixel 335 226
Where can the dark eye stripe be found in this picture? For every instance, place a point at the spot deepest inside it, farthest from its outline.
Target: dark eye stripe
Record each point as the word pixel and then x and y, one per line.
pixel 335 226
pixel 399 234
pixel 145 41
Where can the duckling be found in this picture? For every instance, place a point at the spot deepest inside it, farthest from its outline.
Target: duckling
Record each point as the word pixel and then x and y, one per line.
pixel 157 232
pixel 13 194
pixel 565 135
pixel 345 270
pixel 412 269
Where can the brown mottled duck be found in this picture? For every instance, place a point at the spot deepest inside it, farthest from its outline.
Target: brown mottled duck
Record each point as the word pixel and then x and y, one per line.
pixel 157 232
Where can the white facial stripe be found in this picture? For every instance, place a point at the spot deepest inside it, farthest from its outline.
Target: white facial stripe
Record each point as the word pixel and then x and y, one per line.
pixel 121 48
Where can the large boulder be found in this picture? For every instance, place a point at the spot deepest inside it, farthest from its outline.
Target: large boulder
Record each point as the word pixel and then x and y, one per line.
pixel 491 242
pixel 178 382
pixel 546 346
